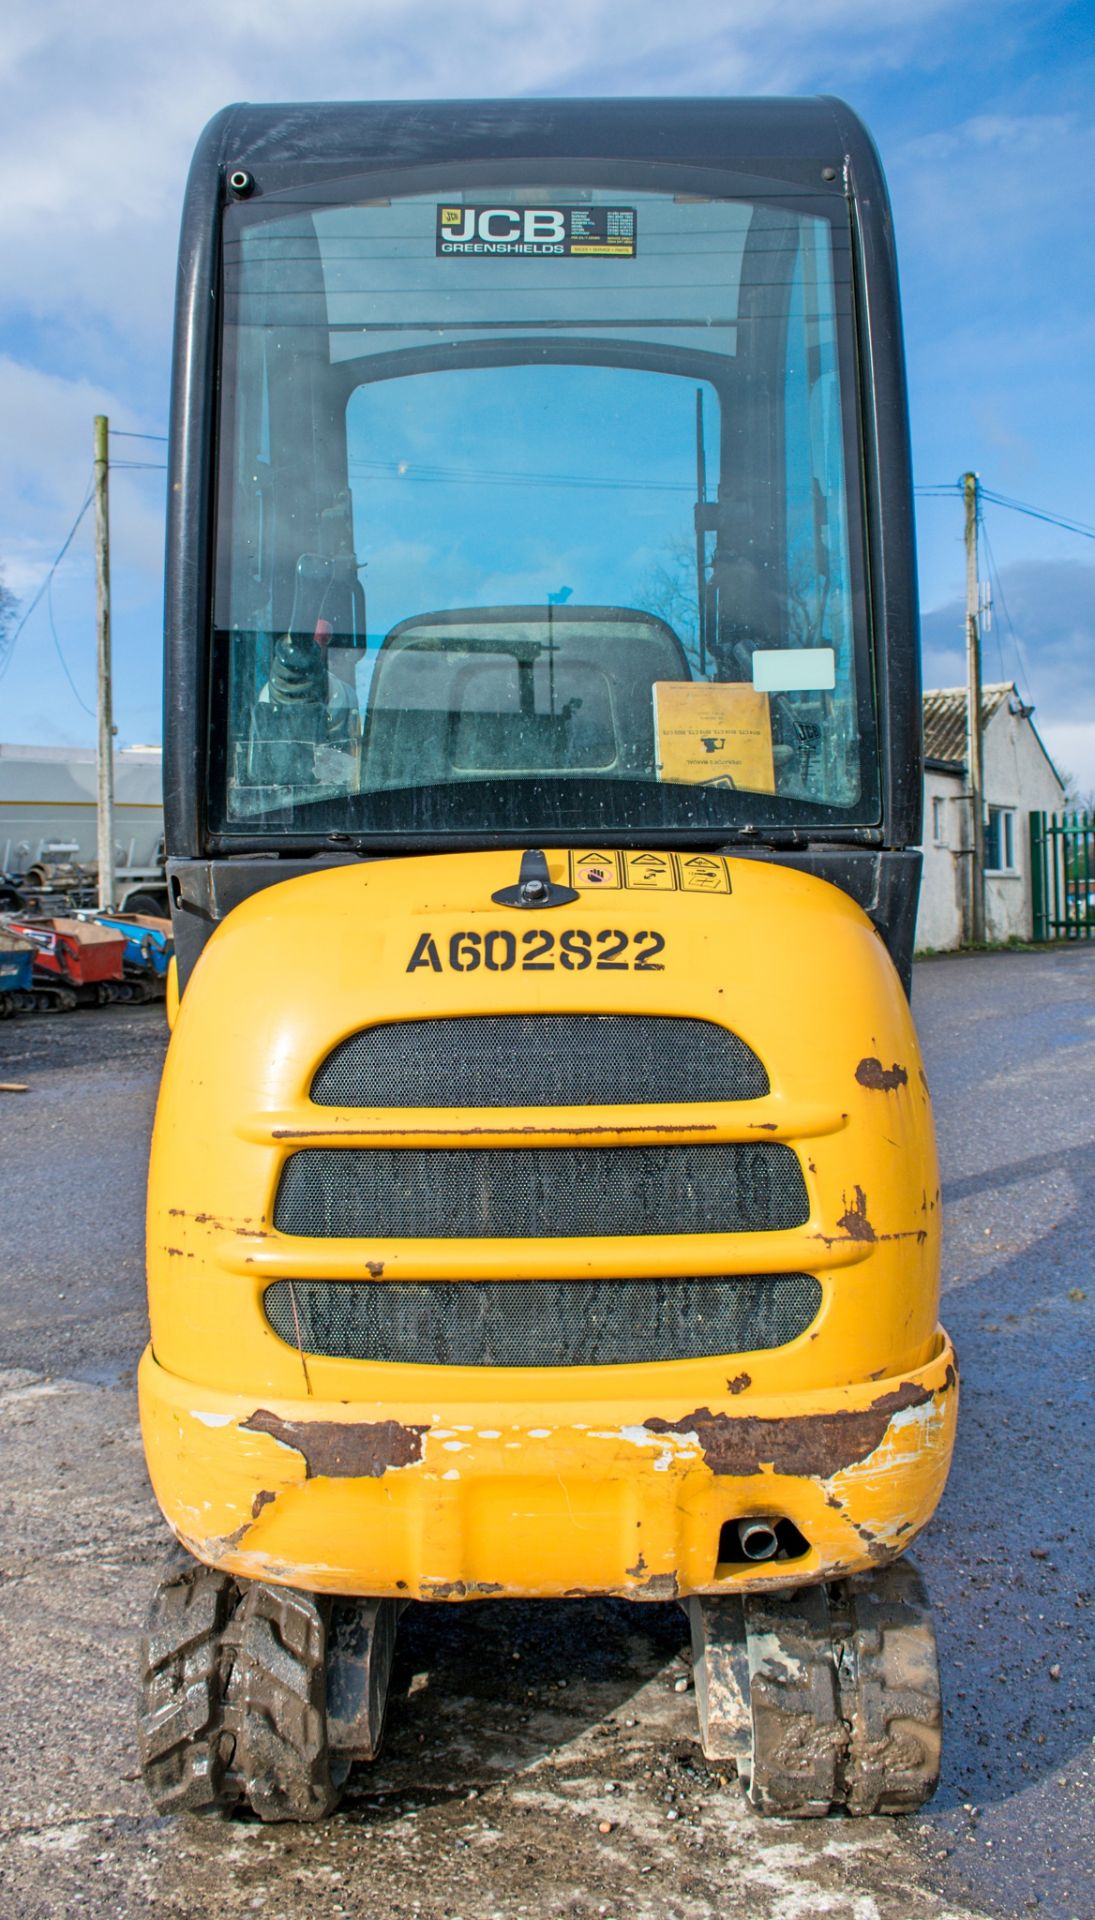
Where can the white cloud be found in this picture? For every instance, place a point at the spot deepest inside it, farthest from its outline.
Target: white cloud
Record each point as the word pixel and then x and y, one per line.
pixel 975 195
pixel 44 477
pixel 1042 635
pixel 100 106
pixel 47 469
pixel 1050 607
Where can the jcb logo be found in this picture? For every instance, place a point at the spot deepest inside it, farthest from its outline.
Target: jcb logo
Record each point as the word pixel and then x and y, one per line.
pixel 501 230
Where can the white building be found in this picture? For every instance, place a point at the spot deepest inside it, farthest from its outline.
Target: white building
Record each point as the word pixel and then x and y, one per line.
pixel 1019 779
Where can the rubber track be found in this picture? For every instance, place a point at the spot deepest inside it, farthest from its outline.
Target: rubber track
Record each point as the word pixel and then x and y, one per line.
pixel 889 1678
pixel 184 1746
pixel 277 1703
pixel 798 1736
pixel 844 1697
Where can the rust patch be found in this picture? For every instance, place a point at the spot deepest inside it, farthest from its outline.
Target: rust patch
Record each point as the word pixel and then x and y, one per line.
pixel 261 1500
pixel 879 1079
pixel 636 1572
pixel 375 1267
pixel 870 1539
pixel 199 1219
pixel 342 1449
pixel 882 1552
pixel 216 1546
pixel 660 1586
pixel 813 1445
pixel 739 1383
pixel 854 1218
pixel 919 1234
pixel 244 1225
pixel 906 1395
pixel 461 1589
pixel 764 1126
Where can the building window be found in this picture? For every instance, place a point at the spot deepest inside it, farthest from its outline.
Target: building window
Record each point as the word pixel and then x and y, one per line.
pixel 939 821
pixel 1000 840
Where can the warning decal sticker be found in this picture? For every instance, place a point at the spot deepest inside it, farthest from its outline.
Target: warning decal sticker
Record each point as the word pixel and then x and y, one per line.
pixel 703 873
pixel 563 233
pixel 597 870
pixel 650 872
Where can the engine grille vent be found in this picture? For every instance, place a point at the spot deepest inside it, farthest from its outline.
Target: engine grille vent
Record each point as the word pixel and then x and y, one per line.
pixel 542 1323
pixel 491 1193
pixel 539 1059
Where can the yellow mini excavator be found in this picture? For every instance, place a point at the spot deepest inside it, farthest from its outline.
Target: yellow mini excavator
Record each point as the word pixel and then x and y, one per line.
pixel 543 1196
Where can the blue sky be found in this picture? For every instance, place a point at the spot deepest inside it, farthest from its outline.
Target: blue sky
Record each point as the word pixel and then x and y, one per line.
pixel 983 117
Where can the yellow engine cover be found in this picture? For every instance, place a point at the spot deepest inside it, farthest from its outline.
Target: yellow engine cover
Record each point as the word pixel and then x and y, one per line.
pixel 376 1476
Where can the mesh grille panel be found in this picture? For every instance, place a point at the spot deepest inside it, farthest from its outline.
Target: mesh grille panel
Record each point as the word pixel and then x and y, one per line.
pixel 539 1059
pixel 543 1323
pixel 492 1193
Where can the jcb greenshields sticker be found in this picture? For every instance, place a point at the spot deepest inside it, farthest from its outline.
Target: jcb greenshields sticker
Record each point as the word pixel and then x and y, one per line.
pixel 562 232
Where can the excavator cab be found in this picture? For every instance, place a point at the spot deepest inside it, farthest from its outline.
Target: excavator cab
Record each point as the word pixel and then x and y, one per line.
pixel 543 1198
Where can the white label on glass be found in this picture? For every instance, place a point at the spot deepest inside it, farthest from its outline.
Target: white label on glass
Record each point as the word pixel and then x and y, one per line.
pixel 794 669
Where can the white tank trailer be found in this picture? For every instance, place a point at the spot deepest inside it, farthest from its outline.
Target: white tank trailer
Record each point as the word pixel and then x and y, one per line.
pixel 48 820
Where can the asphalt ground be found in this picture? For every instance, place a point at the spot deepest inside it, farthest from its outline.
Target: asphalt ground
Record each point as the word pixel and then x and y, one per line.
pixel 518 1732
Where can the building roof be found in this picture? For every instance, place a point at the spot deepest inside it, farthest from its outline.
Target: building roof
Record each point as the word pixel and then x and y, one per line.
pixel 945 710
pixel 945 718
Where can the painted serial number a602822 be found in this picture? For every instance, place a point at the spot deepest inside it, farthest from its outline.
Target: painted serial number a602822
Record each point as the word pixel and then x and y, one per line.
pixel 539 950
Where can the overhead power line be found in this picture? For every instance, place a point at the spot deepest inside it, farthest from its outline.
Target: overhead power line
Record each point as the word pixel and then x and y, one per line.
pixel 505 477
pixel 1039 513
pixel 90 711
pixel 939 490
pixel 71 535
pixel 118 433
pixel 999 594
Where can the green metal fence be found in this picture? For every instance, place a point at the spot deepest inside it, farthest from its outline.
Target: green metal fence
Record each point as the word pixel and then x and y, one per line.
pixel 1062 865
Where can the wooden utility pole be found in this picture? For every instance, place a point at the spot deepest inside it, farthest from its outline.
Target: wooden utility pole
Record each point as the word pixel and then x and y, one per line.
pixel 976 927
pixel 105 810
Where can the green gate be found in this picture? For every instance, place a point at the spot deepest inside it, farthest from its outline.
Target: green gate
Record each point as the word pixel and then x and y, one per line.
pixel 1062 865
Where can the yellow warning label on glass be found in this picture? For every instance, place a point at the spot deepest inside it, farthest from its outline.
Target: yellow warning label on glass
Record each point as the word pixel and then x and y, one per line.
pixel 601 871
pixel 716 736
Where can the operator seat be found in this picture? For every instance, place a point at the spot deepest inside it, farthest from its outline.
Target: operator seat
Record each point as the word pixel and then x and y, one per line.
pixel 517 690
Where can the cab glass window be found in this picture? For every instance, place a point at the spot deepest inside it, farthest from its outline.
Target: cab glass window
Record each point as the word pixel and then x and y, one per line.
pixel 539 509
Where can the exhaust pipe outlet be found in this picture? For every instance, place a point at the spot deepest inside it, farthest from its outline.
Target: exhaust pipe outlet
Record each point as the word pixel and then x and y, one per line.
pixel 757 1539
